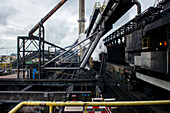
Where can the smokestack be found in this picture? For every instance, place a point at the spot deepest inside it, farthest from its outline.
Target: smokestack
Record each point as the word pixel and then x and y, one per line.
pixel 81 16
pixel 81 22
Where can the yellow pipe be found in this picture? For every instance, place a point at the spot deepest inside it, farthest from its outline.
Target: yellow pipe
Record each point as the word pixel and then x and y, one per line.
pixel 51 109
pixel 85 109
pixel 20 105
pixel 120 103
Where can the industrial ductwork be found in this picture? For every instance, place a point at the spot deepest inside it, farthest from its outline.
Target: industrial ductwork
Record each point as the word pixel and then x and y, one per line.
pixel 138 4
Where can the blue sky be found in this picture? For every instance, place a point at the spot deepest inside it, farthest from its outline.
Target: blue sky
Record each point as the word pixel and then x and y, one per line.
pixel 17 17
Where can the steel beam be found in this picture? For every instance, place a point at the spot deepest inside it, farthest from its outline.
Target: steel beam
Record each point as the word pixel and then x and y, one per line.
pixel 26 88
pixel 69 49
pixel 18 58
pixel 36 38
pixel 49 43
pixel 23 66
pixel 28 38
pixel 39 51
pixel 12 81
pixel 36 95
pixel 68 68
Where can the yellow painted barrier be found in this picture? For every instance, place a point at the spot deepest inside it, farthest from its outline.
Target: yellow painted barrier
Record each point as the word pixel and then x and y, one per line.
pixel 51 109
pixel 120 103
pixel 8 65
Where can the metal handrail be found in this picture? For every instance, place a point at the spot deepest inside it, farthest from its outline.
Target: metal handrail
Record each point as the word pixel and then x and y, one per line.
pixel 120 103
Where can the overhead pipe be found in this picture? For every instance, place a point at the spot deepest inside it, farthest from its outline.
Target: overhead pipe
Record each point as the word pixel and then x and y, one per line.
pixel 97 21
pixel 138 4
pixel 92 20
pixel 54 45
pixel 91 49
pixel 100 16
pixel 96 40
pixel 32 31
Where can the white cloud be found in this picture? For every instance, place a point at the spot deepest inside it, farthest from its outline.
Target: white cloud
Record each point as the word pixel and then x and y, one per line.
pixel 17 17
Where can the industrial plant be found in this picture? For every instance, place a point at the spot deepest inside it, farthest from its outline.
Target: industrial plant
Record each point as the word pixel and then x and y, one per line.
pixel 105 70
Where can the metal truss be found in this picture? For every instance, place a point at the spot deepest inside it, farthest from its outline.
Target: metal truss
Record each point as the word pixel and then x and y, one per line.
pixel 33 48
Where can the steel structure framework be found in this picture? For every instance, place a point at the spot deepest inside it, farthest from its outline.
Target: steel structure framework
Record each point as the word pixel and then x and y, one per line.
pixel 102 25
pixel 63 66
pixel 29 48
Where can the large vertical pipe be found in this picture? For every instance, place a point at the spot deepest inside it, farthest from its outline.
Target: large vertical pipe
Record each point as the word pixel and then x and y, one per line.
pixel 81 22
pixel 81 16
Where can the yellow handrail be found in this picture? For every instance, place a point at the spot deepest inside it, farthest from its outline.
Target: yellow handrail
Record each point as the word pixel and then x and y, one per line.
pixel 51 109
pixel 120 103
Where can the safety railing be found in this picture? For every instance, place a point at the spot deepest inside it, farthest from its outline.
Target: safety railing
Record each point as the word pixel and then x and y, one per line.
pixel 120 103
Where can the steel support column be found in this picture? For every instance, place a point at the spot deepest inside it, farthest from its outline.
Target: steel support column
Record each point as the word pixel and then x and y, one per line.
pixel 39 52
pixel 18 58
pixel 23 67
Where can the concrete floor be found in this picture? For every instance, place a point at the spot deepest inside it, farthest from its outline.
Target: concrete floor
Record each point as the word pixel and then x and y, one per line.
pixel 12 76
